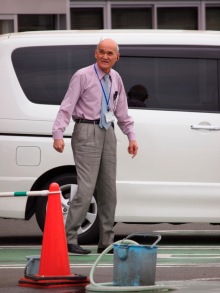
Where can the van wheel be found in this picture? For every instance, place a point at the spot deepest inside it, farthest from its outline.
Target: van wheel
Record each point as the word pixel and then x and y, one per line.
pixel 89 230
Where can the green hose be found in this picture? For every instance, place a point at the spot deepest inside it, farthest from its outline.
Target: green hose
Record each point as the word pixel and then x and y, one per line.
pixel 109 287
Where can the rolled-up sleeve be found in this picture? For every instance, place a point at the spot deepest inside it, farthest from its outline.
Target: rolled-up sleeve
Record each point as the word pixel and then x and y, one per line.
pixel 125 122
pixel 67 107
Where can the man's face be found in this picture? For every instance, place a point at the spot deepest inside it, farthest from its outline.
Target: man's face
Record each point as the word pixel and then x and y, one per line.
pixel 106 55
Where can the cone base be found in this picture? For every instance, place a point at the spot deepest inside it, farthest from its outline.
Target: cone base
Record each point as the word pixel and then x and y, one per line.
pixel 37 281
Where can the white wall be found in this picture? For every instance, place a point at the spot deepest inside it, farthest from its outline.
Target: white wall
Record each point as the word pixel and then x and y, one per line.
pixel 33 6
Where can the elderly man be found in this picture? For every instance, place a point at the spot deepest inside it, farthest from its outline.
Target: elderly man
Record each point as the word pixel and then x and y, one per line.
pixel 95 96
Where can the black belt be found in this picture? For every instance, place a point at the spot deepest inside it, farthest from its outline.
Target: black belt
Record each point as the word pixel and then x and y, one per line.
pixel 87 121
pixel 90 121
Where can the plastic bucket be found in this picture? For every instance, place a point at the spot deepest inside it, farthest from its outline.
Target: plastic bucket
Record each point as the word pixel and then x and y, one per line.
pixel 135 265
pixel 32 266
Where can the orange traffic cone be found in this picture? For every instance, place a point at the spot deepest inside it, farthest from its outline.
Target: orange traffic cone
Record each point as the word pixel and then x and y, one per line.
pixel 54 269
pixel 54 255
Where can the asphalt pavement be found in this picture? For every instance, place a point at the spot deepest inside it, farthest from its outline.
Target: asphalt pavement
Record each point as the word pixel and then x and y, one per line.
pixel 188 258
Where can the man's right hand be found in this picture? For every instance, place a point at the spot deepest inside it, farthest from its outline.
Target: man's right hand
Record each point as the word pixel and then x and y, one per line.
pixel 58 145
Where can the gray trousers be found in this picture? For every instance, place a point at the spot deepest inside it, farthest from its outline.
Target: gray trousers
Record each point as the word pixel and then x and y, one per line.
pixel 94 151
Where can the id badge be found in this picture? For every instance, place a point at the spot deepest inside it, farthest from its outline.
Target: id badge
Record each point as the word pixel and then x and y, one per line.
pixel 109 117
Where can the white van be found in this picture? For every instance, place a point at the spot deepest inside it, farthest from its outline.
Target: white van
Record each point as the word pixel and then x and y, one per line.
pixel 176 176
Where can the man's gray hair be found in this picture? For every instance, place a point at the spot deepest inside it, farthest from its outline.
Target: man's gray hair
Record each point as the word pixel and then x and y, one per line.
pixel 103 39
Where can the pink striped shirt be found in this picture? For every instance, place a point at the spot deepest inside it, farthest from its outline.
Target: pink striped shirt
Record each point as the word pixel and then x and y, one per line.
pixel 83 100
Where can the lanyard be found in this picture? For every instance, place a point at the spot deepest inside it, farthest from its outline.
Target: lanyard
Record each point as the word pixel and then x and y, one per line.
pixel 106 99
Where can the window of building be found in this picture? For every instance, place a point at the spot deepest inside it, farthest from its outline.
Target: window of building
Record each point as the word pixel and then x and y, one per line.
pixel 86 18
pixel 177 18
pixel 131 18
pixel 35 22
pixel 213 18
pixel 6 26
pixel 171 83
pixel 45 72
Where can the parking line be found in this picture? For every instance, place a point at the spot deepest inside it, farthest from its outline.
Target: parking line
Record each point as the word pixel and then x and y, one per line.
pixel 167 256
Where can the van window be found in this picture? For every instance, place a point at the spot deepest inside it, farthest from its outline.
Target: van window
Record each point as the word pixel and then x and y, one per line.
pixel 45 72
pixel 172 83
pixel 161 80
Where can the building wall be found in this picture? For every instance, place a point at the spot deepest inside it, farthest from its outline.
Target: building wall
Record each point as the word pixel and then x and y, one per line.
pixel 33 6
pixel 27 15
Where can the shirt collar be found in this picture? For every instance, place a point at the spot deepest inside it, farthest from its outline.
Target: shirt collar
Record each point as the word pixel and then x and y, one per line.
pixel 101 73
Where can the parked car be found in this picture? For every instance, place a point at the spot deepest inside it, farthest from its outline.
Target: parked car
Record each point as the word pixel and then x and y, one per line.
pixel 176 176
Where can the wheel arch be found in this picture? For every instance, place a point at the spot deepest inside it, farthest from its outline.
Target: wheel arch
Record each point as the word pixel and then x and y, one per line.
pixel 41 181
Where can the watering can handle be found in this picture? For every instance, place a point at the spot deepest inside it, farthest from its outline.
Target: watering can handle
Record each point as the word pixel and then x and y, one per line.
pixel 144 235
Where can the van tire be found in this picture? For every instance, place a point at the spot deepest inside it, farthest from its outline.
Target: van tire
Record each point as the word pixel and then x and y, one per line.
pixel 89 231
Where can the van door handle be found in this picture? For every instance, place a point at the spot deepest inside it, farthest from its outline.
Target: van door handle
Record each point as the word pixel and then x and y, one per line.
pixel 205 127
